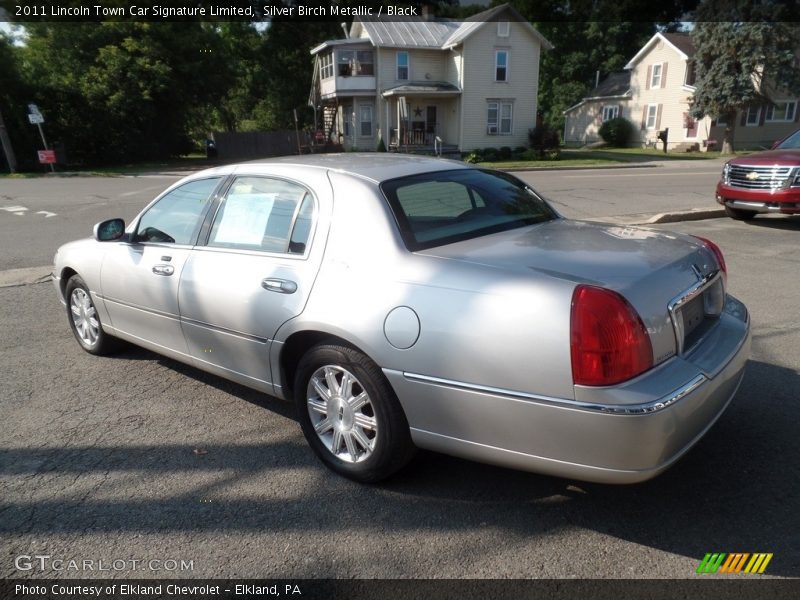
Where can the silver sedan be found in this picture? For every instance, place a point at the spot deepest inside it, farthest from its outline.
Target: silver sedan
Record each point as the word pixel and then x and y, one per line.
pixel 405 302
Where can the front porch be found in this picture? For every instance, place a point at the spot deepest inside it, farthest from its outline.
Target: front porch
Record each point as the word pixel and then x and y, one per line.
pixel 422 118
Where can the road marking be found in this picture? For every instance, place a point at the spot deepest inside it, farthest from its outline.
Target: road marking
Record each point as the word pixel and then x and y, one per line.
pixel 46 214
pixel 16 210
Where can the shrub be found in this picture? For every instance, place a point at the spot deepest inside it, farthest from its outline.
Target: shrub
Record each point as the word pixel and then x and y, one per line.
pixel 617 132
pixel 381 145
pixel 472 157
pixel 489 154
pixel 504 153
pixel 545 142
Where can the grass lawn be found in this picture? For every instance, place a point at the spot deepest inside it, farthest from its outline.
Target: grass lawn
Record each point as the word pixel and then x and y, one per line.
pixel 601 157
pixel 188 163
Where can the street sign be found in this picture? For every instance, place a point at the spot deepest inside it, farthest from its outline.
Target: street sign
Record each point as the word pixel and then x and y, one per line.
pixel 35 118
pixel 47 157
pixel 33 109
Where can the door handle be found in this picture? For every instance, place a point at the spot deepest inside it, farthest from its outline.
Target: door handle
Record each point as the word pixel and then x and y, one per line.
pixel 282 286
pixel 165 270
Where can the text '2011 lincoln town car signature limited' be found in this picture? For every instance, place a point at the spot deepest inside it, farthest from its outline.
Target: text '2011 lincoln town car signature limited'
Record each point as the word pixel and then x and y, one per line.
pixel 408 302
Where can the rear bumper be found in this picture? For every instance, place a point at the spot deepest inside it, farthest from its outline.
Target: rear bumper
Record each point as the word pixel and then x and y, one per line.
pixel 606 442
pixel 785 201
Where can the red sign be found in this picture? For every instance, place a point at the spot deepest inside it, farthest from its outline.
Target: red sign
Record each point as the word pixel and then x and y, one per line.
pixel 47 157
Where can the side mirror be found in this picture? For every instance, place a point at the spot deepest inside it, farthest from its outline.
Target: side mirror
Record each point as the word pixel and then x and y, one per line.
pixel 108 231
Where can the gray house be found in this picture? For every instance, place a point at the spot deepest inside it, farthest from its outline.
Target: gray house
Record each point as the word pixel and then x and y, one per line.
pixel 463 84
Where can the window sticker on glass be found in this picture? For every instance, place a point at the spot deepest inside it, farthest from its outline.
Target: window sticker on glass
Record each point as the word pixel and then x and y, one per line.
pixel 244 218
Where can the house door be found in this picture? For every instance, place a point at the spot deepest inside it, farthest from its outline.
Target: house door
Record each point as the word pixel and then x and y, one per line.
pixel 430 124
pixel 691 125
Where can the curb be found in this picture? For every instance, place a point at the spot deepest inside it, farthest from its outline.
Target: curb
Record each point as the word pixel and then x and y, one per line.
pixel 678 216
pixel 575 167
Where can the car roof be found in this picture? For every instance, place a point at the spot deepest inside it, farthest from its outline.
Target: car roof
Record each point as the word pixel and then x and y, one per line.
pixel 375 166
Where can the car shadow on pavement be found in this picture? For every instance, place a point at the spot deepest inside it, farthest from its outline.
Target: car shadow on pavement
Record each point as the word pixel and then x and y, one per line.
pixel 786 222
pixel 736 491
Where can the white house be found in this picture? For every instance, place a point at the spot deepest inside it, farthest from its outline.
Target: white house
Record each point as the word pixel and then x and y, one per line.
pixel 471 84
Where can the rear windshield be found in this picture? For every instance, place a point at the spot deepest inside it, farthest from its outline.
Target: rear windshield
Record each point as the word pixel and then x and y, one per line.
pixel 433 209
pixel 792 142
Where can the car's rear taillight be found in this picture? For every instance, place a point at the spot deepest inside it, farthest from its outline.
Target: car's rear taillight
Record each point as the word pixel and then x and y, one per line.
pixel 609 342
pixel 717 254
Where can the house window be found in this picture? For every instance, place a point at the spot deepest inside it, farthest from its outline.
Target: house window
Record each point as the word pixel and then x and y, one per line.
pixel 691 73
pixel 610 112
pixel 782 112
pixel 652 116
pixel 365 120
pixel 345 62
pixel 721 122
pixel 499 118
pixel 364 64
pixel 503 28
pixel 752 116
pixel 402 66
pixel 501 65
pixel 655 78
pixel 326 65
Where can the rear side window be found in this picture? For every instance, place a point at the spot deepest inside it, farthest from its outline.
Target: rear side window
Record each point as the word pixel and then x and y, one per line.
pixel 440 208
pixel 259 213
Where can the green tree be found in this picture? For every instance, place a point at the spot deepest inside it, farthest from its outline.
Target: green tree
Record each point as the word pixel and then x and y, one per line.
pixel 590 36
pixel 125 91
pixel 747 62
pixel 13 99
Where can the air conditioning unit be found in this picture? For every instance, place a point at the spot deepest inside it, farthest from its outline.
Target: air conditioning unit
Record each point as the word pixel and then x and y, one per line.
pixel 492 130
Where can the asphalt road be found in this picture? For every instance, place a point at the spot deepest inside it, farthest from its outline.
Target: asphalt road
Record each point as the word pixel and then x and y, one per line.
pixel 137 457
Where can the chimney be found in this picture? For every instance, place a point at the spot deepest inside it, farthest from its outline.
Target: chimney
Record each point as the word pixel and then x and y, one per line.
pixel 597 79
pixel 346 31
pixel 426 12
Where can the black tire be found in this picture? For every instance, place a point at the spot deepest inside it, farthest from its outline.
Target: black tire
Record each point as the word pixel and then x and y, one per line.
pixel 374 440
pixel 739 214
pixel 81 309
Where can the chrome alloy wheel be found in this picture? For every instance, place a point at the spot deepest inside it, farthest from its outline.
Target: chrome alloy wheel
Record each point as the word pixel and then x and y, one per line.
pixel 84 316
pixel 341 413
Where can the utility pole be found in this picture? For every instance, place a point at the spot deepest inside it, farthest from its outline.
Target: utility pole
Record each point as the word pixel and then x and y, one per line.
pixel 7 149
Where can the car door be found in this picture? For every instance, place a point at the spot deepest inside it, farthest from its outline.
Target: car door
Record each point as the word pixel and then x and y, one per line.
pixel 254 273
pixel 139 277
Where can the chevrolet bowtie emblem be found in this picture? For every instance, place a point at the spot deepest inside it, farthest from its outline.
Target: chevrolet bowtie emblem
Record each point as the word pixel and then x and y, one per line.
pixel 752 175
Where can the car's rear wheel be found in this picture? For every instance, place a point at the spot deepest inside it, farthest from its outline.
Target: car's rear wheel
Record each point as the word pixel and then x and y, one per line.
pixel 739 214
pixel 350 414
pixel 84 320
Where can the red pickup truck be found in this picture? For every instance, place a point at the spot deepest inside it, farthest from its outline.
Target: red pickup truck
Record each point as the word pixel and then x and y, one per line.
pixel 764 182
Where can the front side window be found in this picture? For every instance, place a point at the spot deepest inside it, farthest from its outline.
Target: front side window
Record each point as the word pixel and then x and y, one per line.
pixel 268 215
pixel 655 78
pixel 610 112
pixel 501 65
pixel 402 66
pixel 176 217
pixel 440 208
pixel 792 142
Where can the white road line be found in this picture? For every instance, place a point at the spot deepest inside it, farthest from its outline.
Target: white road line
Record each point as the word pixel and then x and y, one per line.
pixel 16 210
pixel 46 214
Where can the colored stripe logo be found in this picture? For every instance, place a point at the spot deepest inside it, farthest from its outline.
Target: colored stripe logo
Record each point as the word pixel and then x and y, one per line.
pixel 736 562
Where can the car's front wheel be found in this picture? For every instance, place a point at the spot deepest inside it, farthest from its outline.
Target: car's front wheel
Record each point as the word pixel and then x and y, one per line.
pixel 84 320
pixel 739 214
pixel 350 415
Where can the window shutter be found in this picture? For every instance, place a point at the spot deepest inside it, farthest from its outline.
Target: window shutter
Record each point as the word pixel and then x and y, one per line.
pixel 743 120
pixel 797 111
pixel 658 117
pixel 762 113
pixel 664 74
pixel 644 118
pixel 649 77
pixel 619 110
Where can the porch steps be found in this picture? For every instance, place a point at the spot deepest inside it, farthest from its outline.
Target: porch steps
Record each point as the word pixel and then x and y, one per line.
pixel 446 150
pixel 686 147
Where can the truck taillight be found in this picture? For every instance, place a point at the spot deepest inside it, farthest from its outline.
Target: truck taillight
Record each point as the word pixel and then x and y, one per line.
pixel 608 341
